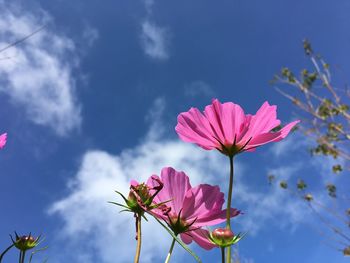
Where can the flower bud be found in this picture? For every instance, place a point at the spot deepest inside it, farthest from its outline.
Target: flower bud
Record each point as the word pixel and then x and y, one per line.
pixel 24 243
pixel 141 195
pixel 223 234
pixel 224 237
pixel 138 195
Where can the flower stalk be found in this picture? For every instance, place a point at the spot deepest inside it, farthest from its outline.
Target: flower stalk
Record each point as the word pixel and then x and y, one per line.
pixel 5 251
pixel 22 255
pixel 223 254
pixel 138 237
pixel 167 260
pixel 228 211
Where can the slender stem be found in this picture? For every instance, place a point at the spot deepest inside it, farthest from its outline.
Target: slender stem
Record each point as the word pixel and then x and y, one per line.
pixel 170 251
pixel 23 256
pixel 228 211
pixel 138 248
pixel 5 251
pixel 223 254
pixel 20 256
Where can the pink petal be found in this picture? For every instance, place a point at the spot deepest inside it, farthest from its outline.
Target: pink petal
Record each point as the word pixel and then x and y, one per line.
pixel 263 121
pixel 213 114
pixel 200 236
pixel 202 201
pixel 176 184
pixel 193 127
pixel 186 238
pixel 3 138
pixel 134 183
pixel 233 121
pixel 215 218
pixel 272 136
pixel 226 120
pixel 265 118
pixel 286 129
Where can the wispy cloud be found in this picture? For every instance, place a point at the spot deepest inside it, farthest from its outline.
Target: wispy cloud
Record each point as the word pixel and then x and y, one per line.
pixel 38 74
pixel 292 143
pixel 90 35
pixel 149 6
pixel 101 173
pixel 198 88
pixel 155 40
pixel 270 207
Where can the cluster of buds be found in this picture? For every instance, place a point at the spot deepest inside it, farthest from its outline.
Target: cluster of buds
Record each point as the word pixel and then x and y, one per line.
pixel 224 237
pixel 140 198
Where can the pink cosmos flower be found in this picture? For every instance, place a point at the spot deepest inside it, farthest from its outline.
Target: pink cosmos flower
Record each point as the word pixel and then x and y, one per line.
pixel 3 138
pixel 225 127
pixel 189 208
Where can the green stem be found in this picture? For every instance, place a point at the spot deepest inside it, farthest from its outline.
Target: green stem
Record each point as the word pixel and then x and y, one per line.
pixel 138 248
pixel 178 240
pixel 170 251
pixel 5 251
pixel 223 254
pixel 228 211
pixel 23 256
pixel 20 256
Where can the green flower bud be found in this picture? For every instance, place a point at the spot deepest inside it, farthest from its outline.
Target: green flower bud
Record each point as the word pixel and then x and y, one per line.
pixel 24 243
pixel 224 237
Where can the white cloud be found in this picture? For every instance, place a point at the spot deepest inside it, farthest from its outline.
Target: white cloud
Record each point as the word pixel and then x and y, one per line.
pixel 38 76
pixel 274 206
pixel 286 146
pixel 149 6
pixel 198 88
pixel 88 218
pixel 155 40
pixel 90 35
pixel 154 118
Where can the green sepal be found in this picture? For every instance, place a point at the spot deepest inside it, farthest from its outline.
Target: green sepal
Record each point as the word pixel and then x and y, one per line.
pixel 144 217
pixel 158 205
pixel 227 243
pixel 114 203
pixel 239 237
pixel 126 210
pixel 125 199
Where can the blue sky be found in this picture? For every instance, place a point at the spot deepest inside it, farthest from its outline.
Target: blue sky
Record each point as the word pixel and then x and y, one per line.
pixel 91 101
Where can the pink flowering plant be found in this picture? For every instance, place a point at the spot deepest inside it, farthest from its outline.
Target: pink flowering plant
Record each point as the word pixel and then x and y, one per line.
pixel 190 208
pixel 3 139
pixel 186 212
pixel 226 128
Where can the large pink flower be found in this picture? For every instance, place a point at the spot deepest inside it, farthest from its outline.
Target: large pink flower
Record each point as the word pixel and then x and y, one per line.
pixel 3 138
pixel 225 126
pixel 190 208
